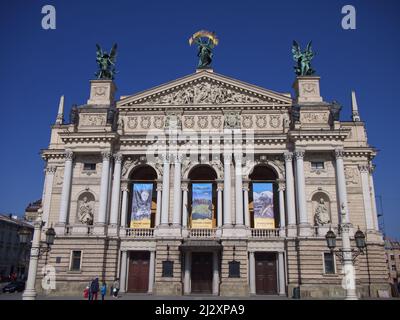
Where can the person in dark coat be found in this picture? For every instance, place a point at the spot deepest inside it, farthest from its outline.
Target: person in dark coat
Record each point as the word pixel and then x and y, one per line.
pixel 94 288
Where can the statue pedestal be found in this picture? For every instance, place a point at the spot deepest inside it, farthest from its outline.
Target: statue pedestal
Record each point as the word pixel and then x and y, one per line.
pixel 307 89
pixel 102 92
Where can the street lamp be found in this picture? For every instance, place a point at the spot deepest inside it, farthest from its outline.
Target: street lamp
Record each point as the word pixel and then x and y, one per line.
pixel 36 251
pixel 346 254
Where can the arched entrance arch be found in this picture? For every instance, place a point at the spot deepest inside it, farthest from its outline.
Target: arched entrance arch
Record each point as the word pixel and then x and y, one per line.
pixel 142 205
pixel 264 197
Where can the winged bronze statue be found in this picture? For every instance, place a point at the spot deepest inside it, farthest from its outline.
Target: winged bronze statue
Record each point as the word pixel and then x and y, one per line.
pixel 106 63
pixel 303 59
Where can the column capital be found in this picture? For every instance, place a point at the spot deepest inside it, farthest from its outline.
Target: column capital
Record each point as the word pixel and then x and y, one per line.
pixel 238 157
pixel 159 186
pixel 220 186
pixel 177 158
pixel 227 157
pixel 106 155
pixel 165 157
pixel 364 168
pixel 372 168
pixel 185 186
pixel 339 153
pixel 245 186
pixel 69 155
pixel 125 188
pixel 51 169
pixel 118 157
pixel 299 153
pixel 281 185
pixel 288 156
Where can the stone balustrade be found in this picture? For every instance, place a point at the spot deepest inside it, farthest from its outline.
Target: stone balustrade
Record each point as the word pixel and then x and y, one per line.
pixel 202 233
pixel 265 233
pixel 139 232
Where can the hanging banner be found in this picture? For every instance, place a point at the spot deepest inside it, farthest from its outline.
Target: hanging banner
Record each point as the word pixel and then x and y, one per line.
pixel 141 205
pixel 202 205
pixel 263 197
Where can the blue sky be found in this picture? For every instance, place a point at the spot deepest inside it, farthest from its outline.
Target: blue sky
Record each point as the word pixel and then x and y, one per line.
pixel 37 66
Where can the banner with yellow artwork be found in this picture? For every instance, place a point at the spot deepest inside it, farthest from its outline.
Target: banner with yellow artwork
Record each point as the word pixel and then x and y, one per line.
pixel 263 198
pixel 141 205
pixel 202 205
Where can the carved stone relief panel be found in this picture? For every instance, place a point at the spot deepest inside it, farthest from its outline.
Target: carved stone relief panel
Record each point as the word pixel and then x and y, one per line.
pixel 352 175
pixel 92 120
pixel 314 117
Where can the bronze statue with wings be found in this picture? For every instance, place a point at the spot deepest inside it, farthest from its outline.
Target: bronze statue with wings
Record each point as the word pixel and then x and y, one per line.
pixel 303 60
pixel 106 63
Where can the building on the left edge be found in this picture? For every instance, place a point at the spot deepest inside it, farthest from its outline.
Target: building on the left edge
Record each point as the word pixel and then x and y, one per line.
pixel 14 256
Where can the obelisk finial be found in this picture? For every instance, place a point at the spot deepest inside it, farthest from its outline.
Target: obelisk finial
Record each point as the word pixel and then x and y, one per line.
pixel 60 114
pixel 354 108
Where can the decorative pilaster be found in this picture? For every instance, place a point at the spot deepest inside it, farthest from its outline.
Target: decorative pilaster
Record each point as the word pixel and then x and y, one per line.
pixel 165 188
pixel 252 273
pixel 151 271
pixel 176 219
pixel 238 190
pixel 290 204
pixel 116 190
pixel 246 204
pixel 186 280
pixel 281 274
pixel 124 260
pixel 104 184
pixel 364 172
pixel 215 287
pixel 66 188
pixel 227 189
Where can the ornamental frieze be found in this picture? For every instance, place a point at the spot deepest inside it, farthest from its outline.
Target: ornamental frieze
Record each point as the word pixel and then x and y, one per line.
pixel 92 120
pixel 314 117
pixel 261 121
pixel 132 122
pixel 159 122
pixel 145 122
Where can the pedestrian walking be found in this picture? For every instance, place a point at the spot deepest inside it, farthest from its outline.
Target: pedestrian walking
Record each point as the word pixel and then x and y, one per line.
pixel 103 290
pixel 116 288
pixel 94 288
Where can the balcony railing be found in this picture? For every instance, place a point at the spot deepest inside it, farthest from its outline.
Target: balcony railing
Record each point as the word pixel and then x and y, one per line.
pixel 139 233
pixel 265 233
pixel 202 233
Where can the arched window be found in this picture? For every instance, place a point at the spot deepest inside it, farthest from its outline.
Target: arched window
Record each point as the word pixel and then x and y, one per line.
pixel 143 197
pixel 202 202
pixel 263 198
pixel 85 208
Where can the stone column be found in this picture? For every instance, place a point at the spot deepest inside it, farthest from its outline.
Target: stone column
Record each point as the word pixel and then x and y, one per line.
pixel 165 192
pixel 66 188
pixel 246 204
pixel 176 219
pixel 364 172
pixel 301 194
pixel 48 190
pixel 239 190
pixel 124 206
pixel 252 273
pixel 220 187
pixel 151 271
pixel 281 189
pixel 104 188
pixel 158 209
pixel 215 289
pixel 185 190
pixel 30 291
pixel 341 181
pixel 227 189
pixel 116 190
pixel 373 199
pixel 281 274
pixel 124 260
pixel 290 204
pixel 186 281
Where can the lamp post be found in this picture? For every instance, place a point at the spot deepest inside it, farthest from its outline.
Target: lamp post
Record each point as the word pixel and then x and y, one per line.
pixel 346 254
pixel 36 252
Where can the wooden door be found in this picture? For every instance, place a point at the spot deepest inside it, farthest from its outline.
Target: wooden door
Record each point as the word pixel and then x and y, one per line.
pixel 202 272
pixel 266 279
pixel 138 276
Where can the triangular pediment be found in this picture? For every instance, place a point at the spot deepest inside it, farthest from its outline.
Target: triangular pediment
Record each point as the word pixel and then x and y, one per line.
pixel 205 88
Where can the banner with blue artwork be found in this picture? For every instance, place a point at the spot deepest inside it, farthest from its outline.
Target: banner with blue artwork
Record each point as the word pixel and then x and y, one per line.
pixel 141 205
pixel 202 205
pixel 263 199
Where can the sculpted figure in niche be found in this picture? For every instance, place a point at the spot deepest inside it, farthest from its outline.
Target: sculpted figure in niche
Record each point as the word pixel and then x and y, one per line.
pixel 85 212
pixel 321 214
